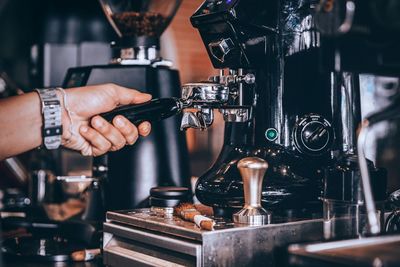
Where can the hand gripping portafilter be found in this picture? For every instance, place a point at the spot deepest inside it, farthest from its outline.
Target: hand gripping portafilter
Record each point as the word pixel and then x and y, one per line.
pixel 152 111
pixel 204 96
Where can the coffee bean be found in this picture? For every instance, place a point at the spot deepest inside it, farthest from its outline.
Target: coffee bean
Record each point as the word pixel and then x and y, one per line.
pixel 139 24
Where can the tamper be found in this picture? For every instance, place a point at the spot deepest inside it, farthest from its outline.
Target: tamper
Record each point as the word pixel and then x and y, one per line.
pixel 252 170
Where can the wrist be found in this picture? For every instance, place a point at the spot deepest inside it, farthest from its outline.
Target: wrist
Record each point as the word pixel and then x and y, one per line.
pixel 65 117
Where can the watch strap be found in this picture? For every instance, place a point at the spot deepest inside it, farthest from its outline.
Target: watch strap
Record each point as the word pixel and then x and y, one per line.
pixel 52 123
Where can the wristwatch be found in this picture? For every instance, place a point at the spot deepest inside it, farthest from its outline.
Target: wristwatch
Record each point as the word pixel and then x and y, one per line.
pixel 51 111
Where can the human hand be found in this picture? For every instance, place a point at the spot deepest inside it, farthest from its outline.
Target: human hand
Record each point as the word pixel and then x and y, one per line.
pixel 90 133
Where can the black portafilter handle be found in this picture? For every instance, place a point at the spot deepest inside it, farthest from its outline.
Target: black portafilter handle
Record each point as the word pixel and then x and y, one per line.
pixel 152 111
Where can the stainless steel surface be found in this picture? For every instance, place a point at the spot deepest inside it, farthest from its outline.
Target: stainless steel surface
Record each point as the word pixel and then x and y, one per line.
pixel 235 78
pixel 165 212
pixel 240 89
pixel 346 112
pixel 373 251
pixel 373 220
pixel 75 185
pixel 252 216
pixel 141 56
pixel 142 237
pixel 351 243
pixel 236 114
pixel 41 186
pixel 145 219
pixel 218 93
pixel 200 119
pixel 205 93
pixel 206 115
pixel 127 246
pixel 252 170
pixel 192 120
pixel 347 219
pixel 139 53
pixel 204 97
pixel 349 118
pixel 348 21
pixel 18 169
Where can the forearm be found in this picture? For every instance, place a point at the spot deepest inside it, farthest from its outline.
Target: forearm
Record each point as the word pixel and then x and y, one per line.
pixel 21 124
pixel 21 120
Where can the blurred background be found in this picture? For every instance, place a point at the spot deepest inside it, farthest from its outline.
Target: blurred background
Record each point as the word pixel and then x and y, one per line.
pixel 41 39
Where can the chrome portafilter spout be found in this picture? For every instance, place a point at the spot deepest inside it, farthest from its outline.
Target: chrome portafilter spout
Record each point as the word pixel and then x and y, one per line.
pixel 252 170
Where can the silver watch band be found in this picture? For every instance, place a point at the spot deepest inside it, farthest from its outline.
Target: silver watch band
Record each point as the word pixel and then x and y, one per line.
pixel 52 123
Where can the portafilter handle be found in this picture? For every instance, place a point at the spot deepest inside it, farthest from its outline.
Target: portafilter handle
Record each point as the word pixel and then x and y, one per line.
pixel 153 110
pixel 252 170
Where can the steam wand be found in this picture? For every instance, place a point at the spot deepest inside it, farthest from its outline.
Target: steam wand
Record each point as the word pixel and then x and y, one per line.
pixel 391 112
pixel 372 217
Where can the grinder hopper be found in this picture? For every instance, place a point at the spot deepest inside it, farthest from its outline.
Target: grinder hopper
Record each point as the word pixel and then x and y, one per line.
pixel 140 18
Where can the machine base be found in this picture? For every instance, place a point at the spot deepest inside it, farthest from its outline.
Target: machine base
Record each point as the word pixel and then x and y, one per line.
pixel 141 238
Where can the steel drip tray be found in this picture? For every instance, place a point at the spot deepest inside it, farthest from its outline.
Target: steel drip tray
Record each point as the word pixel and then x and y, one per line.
pixel 373 251
pixel 143 237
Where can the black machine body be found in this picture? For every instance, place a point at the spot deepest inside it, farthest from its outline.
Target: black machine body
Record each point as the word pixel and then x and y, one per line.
pixel 361 36
pixel 306 96
pixel 292 120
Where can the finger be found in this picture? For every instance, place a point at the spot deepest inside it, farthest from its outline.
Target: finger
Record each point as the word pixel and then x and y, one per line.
pixel 144 128
pixel 100 145
pixel 127 96
pixel 127 129
pixel 108 131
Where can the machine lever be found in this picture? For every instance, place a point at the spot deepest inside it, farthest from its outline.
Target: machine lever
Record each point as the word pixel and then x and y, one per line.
pixel 152 111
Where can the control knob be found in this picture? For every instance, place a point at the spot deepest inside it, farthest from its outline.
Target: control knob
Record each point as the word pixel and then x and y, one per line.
pixel 313 135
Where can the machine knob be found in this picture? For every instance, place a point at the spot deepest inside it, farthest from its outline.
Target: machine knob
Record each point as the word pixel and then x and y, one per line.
pixel 252 170
pixel 220 49
pixel 313 135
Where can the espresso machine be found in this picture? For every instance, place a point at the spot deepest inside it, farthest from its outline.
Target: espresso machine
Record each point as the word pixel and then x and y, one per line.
pixel 161 158
pixel 279 136
pixel 275 102
pixel 290 97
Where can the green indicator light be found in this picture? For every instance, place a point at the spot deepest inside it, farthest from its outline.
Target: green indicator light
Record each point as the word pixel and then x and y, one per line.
pixel 271 134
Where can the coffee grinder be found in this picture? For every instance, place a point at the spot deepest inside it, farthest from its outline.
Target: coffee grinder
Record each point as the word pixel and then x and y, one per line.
pixel 276 104
pixel 289 122
pixel 161 158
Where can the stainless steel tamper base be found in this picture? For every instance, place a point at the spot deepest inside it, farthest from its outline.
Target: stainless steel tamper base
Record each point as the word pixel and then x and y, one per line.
pixel 252 170
pixel 252 216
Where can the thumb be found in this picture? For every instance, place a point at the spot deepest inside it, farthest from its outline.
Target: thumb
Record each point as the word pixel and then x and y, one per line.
pixel 127 96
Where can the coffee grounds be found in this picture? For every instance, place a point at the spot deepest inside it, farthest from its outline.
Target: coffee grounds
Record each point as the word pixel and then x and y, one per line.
pixel 139 24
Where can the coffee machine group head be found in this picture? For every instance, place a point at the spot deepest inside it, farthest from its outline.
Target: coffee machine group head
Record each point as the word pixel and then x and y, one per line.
pixel 221 92
pixel 236 41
